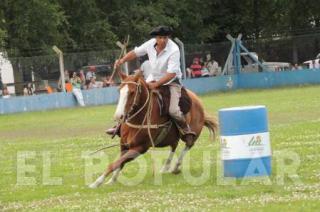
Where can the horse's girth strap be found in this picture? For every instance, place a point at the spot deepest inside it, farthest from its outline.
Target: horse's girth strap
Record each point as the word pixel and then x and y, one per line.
pixel 151 126
pixel 163 133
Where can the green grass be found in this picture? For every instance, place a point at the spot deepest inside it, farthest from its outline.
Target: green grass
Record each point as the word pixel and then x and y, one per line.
pixel 294 119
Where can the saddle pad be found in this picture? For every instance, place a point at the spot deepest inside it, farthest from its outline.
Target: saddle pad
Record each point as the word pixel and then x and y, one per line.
pixel 185 102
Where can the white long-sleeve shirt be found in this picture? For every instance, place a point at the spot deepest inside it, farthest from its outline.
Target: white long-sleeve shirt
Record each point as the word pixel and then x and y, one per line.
pixel 168 61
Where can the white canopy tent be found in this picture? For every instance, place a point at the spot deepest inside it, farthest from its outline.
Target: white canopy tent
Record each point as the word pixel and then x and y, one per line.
pixel 6 72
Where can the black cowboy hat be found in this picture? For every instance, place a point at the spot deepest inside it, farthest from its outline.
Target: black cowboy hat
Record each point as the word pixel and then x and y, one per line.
pixel 161 31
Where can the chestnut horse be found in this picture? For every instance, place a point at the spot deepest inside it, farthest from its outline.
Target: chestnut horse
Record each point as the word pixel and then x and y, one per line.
pixel 143 123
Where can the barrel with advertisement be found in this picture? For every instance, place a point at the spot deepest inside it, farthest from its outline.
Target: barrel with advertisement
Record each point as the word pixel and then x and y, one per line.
pixel 245 141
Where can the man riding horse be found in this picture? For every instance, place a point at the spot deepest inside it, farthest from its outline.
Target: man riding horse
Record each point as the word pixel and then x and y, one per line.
pixel 144 122
pixel 164 58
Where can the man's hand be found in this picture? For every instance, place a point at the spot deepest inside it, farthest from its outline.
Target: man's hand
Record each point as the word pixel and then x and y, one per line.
pixel 118 63
pixel 152 85
pixel 126 58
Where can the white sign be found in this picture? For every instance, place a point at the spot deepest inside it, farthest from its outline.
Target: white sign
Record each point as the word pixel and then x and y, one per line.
pixel 245 146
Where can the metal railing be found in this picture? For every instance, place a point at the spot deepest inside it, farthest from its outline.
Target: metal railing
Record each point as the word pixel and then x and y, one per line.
pixel 294 50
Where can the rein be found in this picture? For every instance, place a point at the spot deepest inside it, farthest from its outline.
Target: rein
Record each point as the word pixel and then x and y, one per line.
pixel 151 126
pixel 135 99
pixel 106 147
pixel 147 117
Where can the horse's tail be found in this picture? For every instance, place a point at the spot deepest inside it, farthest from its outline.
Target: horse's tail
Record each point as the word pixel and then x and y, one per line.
pixel 212 124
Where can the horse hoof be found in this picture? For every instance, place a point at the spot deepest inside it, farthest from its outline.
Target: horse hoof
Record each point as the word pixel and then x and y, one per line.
pixel 111 182
pixel 176 171
pixel 93 186
pixel 164 170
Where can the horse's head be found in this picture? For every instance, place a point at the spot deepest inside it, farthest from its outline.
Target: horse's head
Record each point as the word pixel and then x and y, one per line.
pixel 131 88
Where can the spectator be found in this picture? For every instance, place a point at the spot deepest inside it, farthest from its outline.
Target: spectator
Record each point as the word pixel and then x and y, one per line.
pixel 212 66
pixel 5 92
pixel 1 86
pixel 28 90
pixel 317 64
pixel 47 87
pixel 93 83
pixel 83 79
pixel 87 84
pixel 67 75
pixel 76 88
pixel 201 61
pixel 68 86
pixel 91 73
pixel 195 68
pixel 205 71
pixel 25 90
pixel 296 67
pixel 312 65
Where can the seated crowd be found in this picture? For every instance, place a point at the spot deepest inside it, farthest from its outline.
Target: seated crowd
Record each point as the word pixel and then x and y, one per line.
pixel 200 68
pixel 86 81
pixel 73 79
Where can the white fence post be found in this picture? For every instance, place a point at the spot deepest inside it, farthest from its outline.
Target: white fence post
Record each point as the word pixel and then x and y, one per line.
pixel 61 65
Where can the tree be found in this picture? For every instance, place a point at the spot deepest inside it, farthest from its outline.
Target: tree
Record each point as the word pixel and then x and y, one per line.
pixel 96 24
pixel 90 28
pixel 135 17
pixel 2 29
pixel 33 25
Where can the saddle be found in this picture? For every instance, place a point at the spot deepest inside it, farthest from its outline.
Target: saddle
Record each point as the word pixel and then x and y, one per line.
pixel 163 99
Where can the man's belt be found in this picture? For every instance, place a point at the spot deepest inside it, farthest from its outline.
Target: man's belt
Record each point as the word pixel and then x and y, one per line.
pixel 177 81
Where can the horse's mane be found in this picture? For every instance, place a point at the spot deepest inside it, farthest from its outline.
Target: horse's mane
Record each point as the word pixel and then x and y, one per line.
pixel 137 77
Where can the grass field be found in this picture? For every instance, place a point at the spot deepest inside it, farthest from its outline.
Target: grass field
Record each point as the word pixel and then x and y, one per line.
pixel 63 137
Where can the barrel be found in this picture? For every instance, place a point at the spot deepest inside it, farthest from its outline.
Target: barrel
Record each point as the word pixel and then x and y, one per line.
pixel 245 141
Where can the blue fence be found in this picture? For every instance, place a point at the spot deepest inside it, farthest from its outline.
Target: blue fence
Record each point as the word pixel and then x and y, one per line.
pixel 200 86
pixel 277 79
pixel 57 100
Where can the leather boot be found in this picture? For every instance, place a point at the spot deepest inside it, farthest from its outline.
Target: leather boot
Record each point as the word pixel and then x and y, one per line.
pixel 111 131
pixel 114 130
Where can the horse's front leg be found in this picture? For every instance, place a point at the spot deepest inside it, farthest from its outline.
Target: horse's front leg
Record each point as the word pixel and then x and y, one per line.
pixel 115 173
pixel 131 154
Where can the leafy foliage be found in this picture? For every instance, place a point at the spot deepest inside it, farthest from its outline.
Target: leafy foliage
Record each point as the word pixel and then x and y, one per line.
pixel 32 27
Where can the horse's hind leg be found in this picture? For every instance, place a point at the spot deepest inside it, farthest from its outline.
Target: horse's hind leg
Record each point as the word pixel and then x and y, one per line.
pixel 166 166
pixel 189 144
pixel 176 169
pixel 128 156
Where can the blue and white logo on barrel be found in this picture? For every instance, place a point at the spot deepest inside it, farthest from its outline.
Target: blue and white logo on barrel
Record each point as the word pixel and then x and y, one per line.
pixel 245 141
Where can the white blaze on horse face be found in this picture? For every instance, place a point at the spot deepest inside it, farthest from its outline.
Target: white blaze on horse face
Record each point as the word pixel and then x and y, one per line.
pixel 122 102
